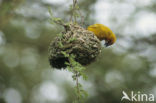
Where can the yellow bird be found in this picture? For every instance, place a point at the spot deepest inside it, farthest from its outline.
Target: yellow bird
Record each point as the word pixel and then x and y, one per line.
pixel 103 33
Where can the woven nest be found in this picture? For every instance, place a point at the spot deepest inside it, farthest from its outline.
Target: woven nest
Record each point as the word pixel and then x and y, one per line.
pixel 77 41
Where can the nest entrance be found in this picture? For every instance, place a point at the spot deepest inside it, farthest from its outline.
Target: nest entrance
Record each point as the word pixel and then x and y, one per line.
pixel 77 41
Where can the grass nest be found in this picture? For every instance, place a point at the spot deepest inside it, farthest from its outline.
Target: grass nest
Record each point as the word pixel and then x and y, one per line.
pixel 83 44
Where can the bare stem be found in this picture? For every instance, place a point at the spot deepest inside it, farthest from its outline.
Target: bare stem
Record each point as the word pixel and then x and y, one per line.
pixel 82 18
pixel 73 10
pixel 77 87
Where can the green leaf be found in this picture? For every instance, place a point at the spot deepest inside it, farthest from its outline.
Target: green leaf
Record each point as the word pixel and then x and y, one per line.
pixel 65 54
pixel 84 93
pixel 60 45
pixel 50 11
pixel 71 39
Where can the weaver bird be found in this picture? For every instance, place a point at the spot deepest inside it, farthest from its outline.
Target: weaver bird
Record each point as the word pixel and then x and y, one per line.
pixel 103 33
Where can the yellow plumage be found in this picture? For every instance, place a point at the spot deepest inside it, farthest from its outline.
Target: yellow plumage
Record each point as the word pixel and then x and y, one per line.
pixel 103 33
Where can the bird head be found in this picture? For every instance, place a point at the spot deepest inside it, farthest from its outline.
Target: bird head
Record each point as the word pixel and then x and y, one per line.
pixel 110 40
pixel 103 33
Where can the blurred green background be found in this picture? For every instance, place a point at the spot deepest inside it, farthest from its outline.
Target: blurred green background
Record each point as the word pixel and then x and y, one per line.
pixel 25 34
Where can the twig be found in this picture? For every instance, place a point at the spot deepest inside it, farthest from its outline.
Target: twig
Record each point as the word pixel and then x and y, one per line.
pixel 82 18
pixel 77 85
pixel 73 10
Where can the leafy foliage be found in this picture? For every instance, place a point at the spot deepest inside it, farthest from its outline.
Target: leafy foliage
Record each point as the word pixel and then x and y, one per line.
pixel 78 71
pixel 54 19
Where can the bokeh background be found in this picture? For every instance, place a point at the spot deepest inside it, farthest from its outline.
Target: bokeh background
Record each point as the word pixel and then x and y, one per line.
pixel 25 34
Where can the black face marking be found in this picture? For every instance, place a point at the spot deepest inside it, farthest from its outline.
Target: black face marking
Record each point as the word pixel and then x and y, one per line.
pixel 108 43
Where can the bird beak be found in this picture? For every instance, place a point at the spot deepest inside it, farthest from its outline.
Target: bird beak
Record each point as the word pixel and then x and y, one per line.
pixel 106 44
